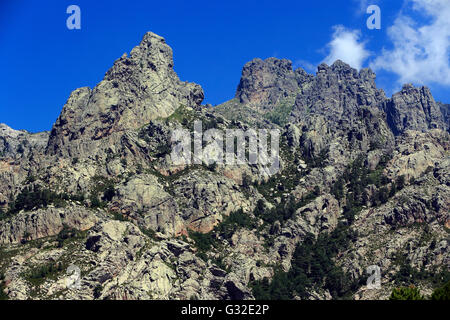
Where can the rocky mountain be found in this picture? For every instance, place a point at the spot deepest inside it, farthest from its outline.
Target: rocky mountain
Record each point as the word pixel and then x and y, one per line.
pixel 413 109
pixel 364 181
pixel 445 110
pixel 136 90
pixel 18 143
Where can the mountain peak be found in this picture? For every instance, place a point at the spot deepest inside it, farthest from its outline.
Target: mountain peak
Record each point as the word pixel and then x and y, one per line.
pixel 153 47
pixel 134 91
pixel 264 82
pixel 413 108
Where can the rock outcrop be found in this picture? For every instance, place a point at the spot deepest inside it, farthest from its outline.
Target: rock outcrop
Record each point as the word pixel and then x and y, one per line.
pixel 417 153
pixel 137 89
pixel 44 223
pixel 445 110
pixel 369 173
pixel 20 143
pixel 338 91
pixel 413 109
pixel 267 83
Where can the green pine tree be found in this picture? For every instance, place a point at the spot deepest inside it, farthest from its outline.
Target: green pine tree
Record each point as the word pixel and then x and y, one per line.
pixel 406 293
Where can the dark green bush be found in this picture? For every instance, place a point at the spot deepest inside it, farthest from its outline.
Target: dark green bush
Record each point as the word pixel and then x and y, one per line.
pixel 103 190
pixel 285 210
pixel 233 222
pixel 203 241
pixel 65 235
pixel 98 291
pixel 406 293
pixel 38 275
pixel 312 265
pixel 442 293
pixel 35 197
pixel 3 295
pixel 109 193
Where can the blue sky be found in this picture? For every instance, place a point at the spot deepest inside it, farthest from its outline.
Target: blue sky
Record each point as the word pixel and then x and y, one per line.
pixel 42 61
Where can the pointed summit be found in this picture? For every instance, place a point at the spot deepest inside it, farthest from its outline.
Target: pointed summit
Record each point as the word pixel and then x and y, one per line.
pixel 413 109
pixel 136 90
pixel 265 83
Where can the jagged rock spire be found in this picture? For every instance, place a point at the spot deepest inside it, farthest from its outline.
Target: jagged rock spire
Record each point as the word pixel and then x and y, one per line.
pixel 136 89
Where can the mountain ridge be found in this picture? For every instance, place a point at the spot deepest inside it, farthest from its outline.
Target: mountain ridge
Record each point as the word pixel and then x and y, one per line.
pixel 363 177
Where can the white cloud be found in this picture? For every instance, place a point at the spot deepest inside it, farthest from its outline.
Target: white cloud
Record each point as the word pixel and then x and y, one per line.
pixel 346 46
pixel 420 52
pixel 362 5
pixel 306 65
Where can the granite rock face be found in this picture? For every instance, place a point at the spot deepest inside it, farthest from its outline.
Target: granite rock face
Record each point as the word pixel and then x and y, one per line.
pixel 417 152
pixel 338 103
pixel 136 90
pixel 413 109
pixel 353 164
pixel 44 223
pixel 266 83
pixel 19 143
pixel 337 92
pixel 445 110
pixel 20 150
